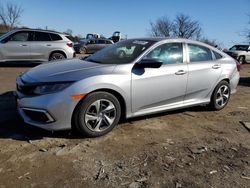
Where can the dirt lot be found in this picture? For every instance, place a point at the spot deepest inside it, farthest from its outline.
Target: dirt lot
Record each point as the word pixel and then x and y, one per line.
pixel 187 148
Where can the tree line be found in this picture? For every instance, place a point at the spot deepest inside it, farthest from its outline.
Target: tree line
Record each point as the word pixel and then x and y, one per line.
pixel 182 26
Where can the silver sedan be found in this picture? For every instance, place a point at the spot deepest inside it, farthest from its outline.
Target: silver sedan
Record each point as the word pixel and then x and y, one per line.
pixel 149 76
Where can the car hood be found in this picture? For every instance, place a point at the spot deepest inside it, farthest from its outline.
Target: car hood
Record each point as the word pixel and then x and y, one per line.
pixel 66 70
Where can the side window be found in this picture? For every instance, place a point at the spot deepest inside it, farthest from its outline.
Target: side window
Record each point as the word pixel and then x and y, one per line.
pixel 169 53
pixel 108 42
pixel 100 41
pixel 217 55
pixel 55 37
pixel 20 36
pixel 42 36
pixel 199 53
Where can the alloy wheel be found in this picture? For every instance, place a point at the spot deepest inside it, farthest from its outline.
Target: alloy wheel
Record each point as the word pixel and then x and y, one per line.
pixel 100 115
pixel 222 95
pixel 56 56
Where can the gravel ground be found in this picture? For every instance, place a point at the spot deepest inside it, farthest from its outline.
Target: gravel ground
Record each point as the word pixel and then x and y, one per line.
pixel 192 147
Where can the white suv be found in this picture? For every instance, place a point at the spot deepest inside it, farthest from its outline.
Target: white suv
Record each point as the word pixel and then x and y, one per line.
pixel 240 52
pixel 35 45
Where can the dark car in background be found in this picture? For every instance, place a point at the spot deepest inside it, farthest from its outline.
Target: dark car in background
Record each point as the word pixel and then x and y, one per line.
pixel 89 46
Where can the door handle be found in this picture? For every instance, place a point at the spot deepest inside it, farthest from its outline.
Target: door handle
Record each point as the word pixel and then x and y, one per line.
pixel 23 45
pixel 180 72
pixel 216 66
pixel 48 44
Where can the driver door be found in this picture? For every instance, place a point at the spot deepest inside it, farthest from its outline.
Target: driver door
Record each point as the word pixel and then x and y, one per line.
pixel 17 46
pixel 155 89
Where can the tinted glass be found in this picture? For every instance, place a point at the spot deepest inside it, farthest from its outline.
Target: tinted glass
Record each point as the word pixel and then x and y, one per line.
pixel 122 52
pixel 108 42
pixel 100 41
pixel 169 53
pixel 199 53
pixel 55 37
pixel 42 36
pixel 217 55
pixel 240 47
pixel 20 36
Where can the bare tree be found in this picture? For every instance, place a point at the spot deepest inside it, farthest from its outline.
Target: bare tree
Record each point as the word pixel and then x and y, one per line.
pixel 211 42
pixel 248 30
pixel 163 27
pixel 10 15
pixel 69 32
pixel 183 26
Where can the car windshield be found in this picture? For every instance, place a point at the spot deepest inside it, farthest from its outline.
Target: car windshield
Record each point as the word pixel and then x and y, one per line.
pixel 240 47
pixel 6 34
pixel 122 52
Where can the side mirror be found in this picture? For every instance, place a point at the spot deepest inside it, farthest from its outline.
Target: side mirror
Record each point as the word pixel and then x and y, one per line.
pixel 150 63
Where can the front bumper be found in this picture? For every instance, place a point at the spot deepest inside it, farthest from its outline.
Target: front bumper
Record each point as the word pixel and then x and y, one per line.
pixel 50 112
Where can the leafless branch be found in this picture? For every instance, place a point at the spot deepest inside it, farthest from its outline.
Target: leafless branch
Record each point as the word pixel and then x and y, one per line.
pixel 10 15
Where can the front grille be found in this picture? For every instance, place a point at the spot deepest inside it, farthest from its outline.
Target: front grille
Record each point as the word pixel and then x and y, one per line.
pixel 40 116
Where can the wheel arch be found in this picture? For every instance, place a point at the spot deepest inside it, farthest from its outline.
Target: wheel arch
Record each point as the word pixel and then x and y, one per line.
pixel 111 91
pixel 58 51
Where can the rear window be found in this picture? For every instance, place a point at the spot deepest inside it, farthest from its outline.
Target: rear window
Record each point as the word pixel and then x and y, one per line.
pixel 217 55
pixel 70 37
pixel 55 37
pixel 42 36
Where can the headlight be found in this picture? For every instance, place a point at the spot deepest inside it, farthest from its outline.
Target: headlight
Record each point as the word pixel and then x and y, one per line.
pixel 50 88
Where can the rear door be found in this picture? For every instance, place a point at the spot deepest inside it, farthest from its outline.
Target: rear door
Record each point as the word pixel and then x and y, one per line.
pixel 41 46
pixel 17 46
pixel 204 72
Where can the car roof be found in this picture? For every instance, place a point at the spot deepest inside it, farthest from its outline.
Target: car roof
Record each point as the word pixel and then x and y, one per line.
pixel 41 30
pixel 172 39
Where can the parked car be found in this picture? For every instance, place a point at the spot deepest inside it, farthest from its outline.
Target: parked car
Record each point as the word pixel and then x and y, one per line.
pixel 91 45
pixel 240 52
pixel 35 45
pixel 92 94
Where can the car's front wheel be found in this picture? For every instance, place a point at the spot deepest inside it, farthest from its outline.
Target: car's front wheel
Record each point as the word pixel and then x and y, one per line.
pixel 97 114
pixel 220 96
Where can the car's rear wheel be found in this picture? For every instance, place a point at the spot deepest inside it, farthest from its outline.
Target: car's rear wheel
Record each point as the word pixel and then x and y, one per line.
pixel 97 114
pixel 82 50
pixel 241 59
pixel 220 96
pixel 56 56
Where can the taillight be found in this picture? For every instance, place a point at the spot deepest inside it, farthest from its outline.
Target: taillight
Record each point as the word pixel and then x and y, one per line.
pixel 237 65
pixel 70 44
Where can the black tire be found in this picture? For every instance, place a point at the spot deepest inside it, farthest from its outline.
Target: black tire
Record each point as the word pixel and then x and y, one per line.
pixel 56 56
pixel 241 59
pixel 87 108
pixel 220 96
pixel 82 50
